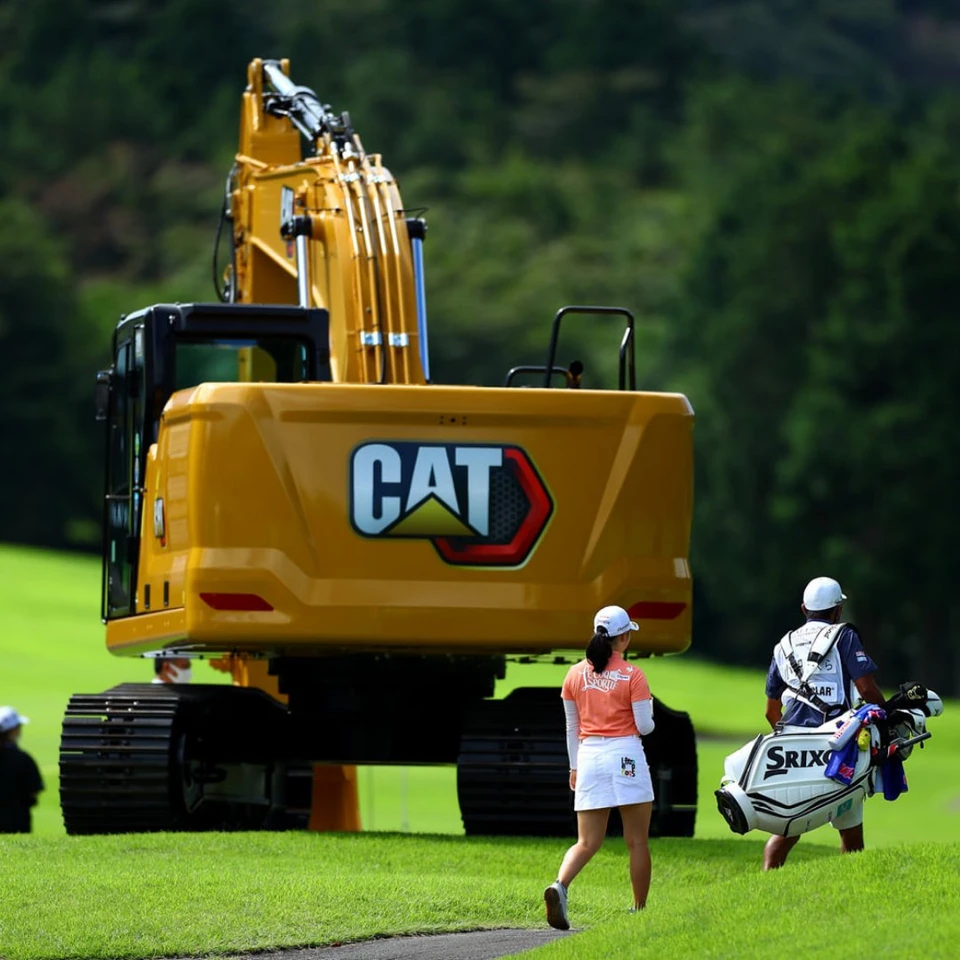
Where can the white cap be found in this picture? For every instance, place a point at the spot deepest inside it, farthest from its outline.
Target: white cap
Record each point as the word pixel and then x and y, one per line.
pixel 822 593
pixel 615 620
pixel 10 719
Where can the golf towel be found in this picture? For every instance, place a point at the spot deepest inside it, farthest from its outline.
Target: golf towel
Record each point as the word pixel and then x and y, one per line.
pixel 843 760
pixel 893 777
pixel 843 763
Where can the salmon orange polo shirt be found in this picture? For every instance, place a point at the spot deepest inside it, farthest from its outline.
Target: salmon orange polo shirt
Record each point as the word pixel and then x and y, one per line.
pixel 604 700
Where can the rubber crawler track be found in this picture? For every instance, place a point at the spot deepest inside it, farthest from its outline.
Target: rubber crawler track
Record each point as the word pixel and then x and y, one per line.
pixel 115 761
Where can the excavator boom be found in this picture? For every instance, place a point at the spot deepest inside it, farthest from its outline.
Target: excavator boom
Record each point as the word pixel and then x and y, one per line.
pixel 328 230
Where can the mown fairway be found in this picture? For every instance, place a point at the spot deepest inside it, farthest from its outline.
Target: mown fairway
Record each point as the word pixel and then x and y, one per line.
pixel 142 896
pixel 151 896
pixel 897 902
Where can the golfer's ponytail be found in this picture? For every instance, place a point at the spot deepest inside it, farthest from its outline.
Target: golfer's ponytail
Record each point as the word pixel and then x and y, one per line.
pixel 599 650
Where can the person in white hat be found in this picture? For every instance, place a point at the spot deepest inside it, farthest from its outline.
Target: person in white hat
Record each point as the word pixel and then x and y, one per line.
pixel 608 708
pixel 844 675
pixel 20 780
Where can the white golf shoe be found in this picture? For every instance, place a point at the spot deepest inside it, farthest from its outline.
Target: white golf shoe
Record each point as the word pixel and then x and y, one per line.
pixel 555 897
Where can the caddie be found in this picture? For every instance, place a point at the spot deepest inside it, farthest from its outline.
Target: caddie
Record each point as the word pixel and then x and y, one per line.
pixel 818 671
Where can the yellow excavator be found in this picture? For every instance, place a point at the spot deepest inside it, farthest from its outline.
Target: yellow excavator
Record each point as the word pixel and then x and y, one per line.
pixel 287 493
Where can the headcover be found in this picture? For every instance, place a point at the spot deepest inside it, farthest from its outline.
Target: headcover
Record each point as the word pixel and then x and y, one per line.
pixel 915 696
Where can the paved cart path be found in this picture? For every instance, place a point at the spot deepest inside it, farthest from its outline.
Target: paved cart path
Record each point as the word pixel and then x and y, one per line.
pixel 478 945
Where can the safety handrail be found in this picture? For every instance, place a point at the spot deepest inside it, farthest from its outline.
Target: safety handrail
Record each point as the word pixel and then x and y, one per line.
pixel 515 371
pixel 627 350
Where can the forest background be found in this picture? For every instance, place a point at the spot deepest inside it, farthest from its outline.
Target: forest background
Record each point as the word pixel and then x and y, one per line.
pixel 773 187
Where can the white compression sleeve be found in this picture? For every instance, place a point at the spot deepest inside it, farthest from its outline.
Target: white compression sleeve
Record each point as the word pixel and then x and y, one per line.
pixel 643 716
pixel 573 731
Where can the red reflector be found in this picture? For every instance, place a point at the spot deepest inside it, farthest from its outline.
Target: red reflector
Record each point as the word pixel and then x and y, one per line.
pixel 654 610
pixel 235 601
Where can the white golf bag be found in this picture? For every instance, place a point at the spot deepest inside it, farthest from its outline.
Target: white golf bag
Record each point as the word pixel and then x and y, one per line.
pixel 778 783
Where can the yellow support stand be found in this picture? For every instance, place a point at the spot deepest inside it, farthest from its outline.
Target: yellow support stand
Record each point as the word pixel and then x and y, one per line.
pixel 335 803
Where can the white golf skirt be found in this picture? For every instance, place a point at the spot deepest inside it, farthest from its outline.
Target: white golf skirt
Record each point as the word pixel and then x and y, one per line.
pixel 611 772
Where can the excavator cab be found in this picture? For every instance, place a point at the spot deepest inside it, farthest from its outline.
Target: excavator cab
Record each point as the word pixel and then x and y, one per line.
pixel 285 488
pixel 167 348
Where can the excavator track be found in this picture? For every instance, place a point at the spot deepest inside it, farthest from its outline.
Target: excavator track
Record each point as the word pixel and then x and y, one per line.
pixel 512 773
pixel 116 761
pixel 148 757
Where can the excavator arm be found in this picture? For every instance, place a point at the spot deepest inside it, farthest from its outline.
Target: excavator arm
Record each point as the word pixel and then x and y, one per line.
pixel 326 230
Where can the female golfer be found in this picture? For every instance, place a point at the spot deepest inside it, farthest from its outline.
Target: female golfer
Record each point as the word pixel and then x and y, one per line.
pixel 607 702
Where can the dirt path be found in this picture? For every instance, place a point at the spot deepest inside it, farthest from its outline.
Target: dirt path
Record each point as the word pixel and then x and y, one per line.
pixel 479 945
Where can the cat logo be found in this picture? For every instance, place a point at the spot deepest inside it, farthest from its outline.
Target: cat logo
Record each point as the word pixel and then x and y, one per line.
pixel 480 506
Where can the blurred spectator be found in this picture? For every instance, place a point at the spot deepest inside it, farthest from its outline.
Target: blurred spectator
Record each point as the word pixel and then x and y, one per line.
pixel 20 780
pixel 172 670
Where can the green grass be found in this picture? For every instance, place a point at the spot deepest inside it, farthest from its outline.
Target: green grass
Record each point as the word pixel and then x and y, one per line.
pixel 899 902
pixel 154 895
